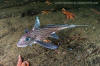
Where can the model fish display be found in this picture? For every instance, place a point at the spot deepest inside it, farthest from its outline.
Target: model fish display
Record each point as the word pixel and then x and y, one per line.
pixel 37 35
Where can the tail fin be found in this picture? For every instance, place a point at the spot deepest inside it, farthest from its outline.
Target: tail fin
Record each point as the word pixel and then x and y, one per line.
pixel 71 26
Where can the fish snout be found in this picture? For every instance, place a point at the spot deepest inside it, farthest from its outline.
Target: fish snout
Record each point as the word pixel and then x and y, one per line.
pixel 20 44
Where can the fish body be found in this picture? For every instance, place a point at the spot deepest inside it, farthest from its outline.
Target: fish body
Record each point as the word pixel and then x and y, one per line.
pixel 37 35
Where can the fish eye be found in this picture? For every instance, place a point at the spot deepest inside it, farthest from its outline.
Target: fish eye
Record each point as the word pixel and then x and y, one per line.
pixel 27 38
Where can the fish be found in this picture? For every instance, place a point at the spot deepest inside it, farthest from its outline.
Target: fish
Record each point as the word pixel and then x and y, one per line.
pixel 38 34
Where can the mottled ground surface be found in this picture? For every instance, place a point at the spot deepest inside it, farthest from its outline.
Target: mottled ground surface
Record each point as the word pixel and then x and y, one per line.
pixel 84 41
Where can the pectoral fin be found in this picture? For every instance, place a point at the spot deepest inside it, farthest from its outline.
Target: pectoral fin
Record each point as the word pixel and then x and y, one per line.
pixel 47 45
pixel 37 23
pixel 53 35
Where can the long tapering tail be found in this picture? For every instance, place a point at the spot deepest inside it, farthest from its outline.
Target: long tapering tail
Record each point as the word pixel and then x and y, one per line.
pixel 70 26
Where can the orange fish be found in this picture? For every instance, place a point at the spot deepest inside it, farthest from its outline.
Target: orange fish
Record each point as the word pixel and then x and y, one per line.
pixel 68 14
pixel 20 63
pixel 48 2
pixel 45 12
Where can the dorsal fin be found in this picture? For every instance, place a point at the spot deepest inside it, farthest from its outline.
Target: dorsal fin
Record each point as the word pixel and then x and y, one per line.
pixel 37 23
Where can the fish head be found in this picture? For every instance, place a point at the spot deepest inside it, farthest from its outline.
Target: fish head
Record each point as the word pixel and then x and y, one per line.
pixel 25 40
